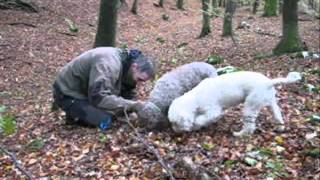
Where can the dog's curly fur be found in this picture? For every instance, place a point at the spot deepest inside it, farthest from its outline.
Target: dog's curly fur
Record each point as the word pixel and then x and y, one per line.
pixel 205 103
pixel 153 113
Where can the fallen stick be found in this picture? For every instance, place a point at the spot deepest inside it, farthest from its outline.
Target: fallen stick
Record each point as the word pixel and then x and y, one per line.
pixel 65 33
pixel 16 163
pixel 266 33
pixel 193 171
pixel 22 23
pixel 149 147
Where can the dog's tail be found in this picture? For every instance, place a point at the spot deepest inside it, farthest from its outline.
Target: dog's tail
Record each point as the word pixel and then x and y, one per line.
pixel 291 78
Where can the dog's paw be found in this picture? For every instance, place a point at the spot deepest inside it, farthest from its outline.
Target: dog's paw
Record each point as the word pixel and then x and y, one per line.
pixel 280 128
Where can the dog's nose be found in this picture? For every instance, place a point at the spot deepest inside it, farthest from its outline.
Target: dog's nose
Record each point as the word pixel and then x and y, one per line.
pixel 175 127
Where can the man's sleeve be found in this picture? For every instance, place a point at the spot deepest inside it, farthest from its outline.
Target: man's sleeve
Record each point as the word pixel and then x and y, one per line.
pixel 103 77
pixel 129 93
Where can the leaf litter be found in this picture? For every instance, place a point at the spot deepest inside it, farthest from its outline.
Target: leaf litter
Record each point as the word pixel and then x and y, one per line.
pixel 49 149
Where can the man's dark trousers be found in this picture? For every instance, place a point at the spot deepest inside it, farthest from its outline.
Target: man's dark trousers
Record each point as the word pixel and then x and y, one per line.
pixel 79 111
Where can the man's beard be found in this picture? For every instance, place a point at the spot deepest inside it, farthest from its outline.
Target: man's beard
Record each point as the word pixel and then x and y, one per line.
pixel 128 79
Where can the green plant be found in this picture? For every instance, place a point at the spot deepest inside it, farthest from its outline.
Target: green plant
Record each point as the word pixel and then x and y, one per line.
pixel 174 61
pixel 275 166
pixel 161 40
pixel 230 163
pixel 8 124
pixel 227 69
pixel 207 146
pixel 72 25
pixel 102 138
pixel 277 169
pixel 214 59
pixel 250 161
pixel 165 17
pixel 124 46
pixel 265 152
pixel 315 118
pixel 140 39
pixel 36 144
pixel 315 153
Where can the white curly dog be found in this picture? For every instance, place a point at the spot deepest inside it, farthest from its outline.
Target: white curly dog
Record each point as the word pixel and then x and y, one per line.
pixel 205 103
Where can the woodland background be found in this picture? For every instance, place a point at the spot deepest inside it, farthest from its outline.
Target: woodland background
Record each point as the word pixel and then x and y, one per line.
pixel 38 38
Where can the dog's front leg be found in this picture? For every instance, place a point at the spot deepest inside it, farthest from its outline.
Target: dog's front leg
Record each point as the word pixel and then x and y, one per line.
pixel 250 113
pixel 277 116
pixel 249 126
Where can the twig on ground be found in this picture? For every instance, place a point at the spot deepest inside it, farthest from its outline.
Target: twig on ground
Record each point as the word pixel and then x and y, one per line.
pixel 22 23
pixel 65 33
pixel 266 33
pixel 194 171
pixel 234 40
pixel 4 45
pixel 16 163
pixel 304 19
pixel 19 4
pixel 149 147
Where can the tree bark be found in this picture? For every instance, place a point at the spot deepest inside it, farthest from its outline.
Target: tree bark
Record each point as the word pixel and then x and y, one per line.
pixel 270 8
pixel 290 41
pixel 134 8
pixel 161 3
pixel 280 6
pixel 205 19
pixel 222 3
pixel 255 6
pixel 227 22
pixel 107 23
pixel 215 4
pixel 180 4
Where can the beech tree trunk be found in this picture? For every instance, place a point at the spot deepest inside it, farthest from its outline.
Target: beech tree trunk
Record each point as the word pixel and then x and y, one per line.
pixel 205 19
pixel 134 8
pixel 227 22
pixel 255 6
pixel 215 4
pixel 290 41
pixel 107 23
pixel 161 3
pixel 180 4
pixel 270 8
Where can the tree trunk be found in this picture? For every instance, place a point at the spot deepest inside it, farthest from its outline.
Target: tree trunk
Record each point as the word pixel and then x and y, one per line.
pixel 134 8
pixel 215 4
pixel 161 3
pixel 227 22
pixel 222 3
pixel 205 19
pixel 270 8
pixel 311 4
pixel 255 6
pixel 107 24
pixel 290 41
pixel 180 4
pixel 123 4
pixel 280 6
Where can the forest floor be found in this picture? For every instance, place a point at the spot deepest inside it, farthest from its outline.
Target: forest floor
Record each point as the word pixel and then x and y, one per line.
pixel 34 46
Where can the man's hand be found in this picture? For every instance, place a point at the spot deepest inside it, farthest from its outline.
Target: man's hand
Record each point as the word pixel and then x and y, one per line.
pixel 135 106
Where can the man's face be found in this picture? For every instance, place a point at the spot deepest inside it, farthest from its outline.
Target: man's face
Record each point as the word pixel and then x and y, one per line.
pixel 139 76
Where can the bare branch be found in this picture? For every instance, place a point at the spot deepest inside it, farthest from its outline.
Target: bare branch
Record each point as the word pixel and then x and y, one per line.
pixel 150 147
pixel 16 163
pixel 22 23
pixel 194 171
